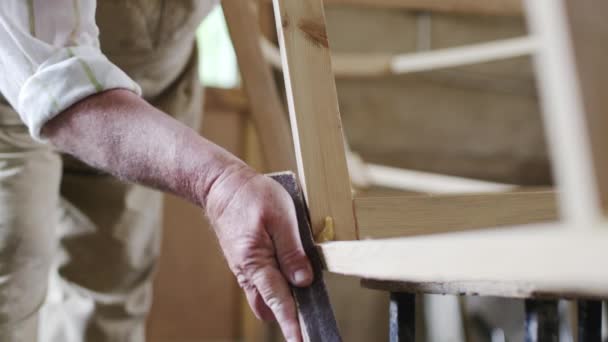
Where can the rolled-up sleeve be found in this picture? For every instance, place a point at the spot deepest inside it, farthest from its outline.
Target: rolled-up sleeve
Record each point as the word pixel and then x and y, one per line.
pixel 50 58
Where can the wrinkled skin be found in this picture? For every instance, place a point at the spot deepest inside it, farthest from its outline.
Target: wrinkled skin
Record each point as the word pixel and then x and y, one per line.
pixel 256 226
pixel 252 215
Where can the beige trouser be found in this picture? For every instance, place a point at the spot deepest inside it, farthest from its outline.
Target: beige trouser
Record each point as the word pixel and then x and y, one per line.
pixel 99 236
pixel 90 239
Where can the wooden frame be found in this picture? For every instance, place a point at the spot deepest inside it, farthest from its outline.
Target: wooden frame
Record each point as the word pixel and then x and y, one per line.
pixel 352 65
pixel 399 216
pixel 315 119
pixel 489 7
pixel 463 262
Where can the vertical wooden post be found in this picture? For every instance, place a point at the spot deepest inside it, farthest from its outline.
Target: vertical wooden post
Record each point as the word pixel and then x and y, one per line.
pixel 315 118
pixel 569 61
pixel 402 316
pixel 267 111
pixel 589 38
pixel 589 321
pixel 542 321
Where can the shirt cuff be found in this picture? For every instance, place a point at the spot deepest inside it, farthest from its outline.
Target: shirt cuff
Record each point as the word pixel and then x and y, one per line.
pixel 68 76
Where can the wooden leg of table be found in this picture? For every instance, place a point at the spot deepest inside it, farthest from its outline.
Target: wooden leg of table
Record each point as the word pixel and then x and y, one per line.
pixel 402 313
pixel 542 321
pixel 589 321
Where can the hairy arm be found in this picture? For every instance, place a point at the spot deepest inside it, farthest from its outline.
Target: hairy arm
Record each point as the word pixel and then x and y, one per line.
pixel 253 217
pixel 118 132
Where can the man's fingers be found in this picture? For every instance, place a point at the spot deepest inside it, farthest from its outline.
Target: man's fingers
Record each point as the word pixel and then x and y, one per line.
pixel 276 294
pixel 283 228
pixel 258 306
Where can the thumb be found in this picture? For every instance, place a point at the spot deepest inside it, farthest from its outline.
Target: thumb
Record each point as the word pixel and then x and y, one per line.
pixel 283 229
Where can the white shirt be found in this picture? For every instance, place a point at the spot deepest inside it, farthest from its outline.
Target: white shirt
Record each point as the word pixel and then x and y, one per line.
pixel 50 58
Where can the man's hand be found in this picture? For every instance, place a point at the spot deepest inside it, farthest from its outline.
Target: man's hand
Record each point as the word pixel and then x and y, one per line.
pixel 255 221
pixel 253 216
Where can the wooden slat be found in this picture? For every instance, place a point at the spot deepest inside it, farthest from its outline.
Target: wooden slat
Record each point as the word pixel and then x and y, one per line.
pixel 485 7
pixel 387 217
pixel 315 118
pixel 266 109
pixel 493 7
pixel 222 99
pixel 348 65
pixel 527 261
pixel 589 38
pixel 564 110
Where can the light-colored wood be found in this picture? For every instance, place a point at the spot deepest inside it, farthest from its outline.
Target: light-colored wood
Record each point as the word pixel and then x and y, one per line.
pixel 226 99
pixel 315 118
pixel 488 7
pixel 266 108
pixel 365 175
pixel 563 113
pixel 387 217
pixel 349 65
pixel 588 30
pixel 493 7
pixel 527 261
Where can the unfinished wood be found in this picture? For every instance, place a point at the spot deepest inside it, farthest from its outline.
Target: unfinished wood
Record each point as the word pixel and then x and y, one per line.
pixel 350 65
pixel 225 99
pixel 315 118
pixel 563 112
pixel 386 217
pixel 489 7
pixel 494 7
pixel 266 109
pixel 588 29
pixel 525 261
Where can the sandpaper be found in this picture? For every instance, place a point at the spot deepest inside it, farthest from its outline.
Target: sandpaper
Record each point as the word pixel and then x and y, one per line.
pixel 314 308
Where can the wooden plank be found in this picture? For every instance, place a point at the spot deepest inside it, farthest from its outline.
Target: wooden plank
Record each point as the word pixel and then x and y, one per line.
pixel 564 112
pixel 351 65
pixel 386 217
pixel 266 108
pixel 589 38
pixel 315 118
pixel 489 7
pixel 229 99
pixel 486 7
pixel 520 262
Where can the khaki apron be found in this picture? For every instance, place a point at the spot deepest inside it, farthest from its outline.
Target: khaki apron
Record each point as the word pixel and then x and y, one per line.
pixel 99 237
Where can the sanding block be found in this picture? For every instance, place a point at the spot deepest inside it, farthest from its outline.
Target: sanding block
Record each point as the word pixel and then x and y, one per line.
pixel 316 315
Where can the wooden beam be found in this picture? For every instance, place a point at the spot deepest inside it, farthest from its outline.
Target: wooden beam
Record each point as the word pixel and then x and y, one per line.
pixel 225 99
pixel 485 7
pixel 564 108
pixel 526 261
pixel 266 109
pixel 588 31
pixel 350 65
pixel 490 7
pixel 387 217
pixel 315 118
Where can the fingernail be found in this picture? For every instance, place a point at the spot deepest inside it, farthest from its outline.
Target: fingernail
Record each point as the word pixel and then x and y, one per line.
pixel 301 276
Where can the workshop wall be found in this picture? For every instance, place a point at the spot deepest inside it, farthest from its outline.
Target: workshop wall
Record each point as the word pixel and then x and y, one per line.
pixel 478 121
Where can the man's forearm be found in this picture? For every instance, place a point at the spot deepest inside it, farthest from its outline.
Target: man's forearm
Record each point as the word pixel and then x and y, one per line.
pixel 118 132
pixel 253 216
